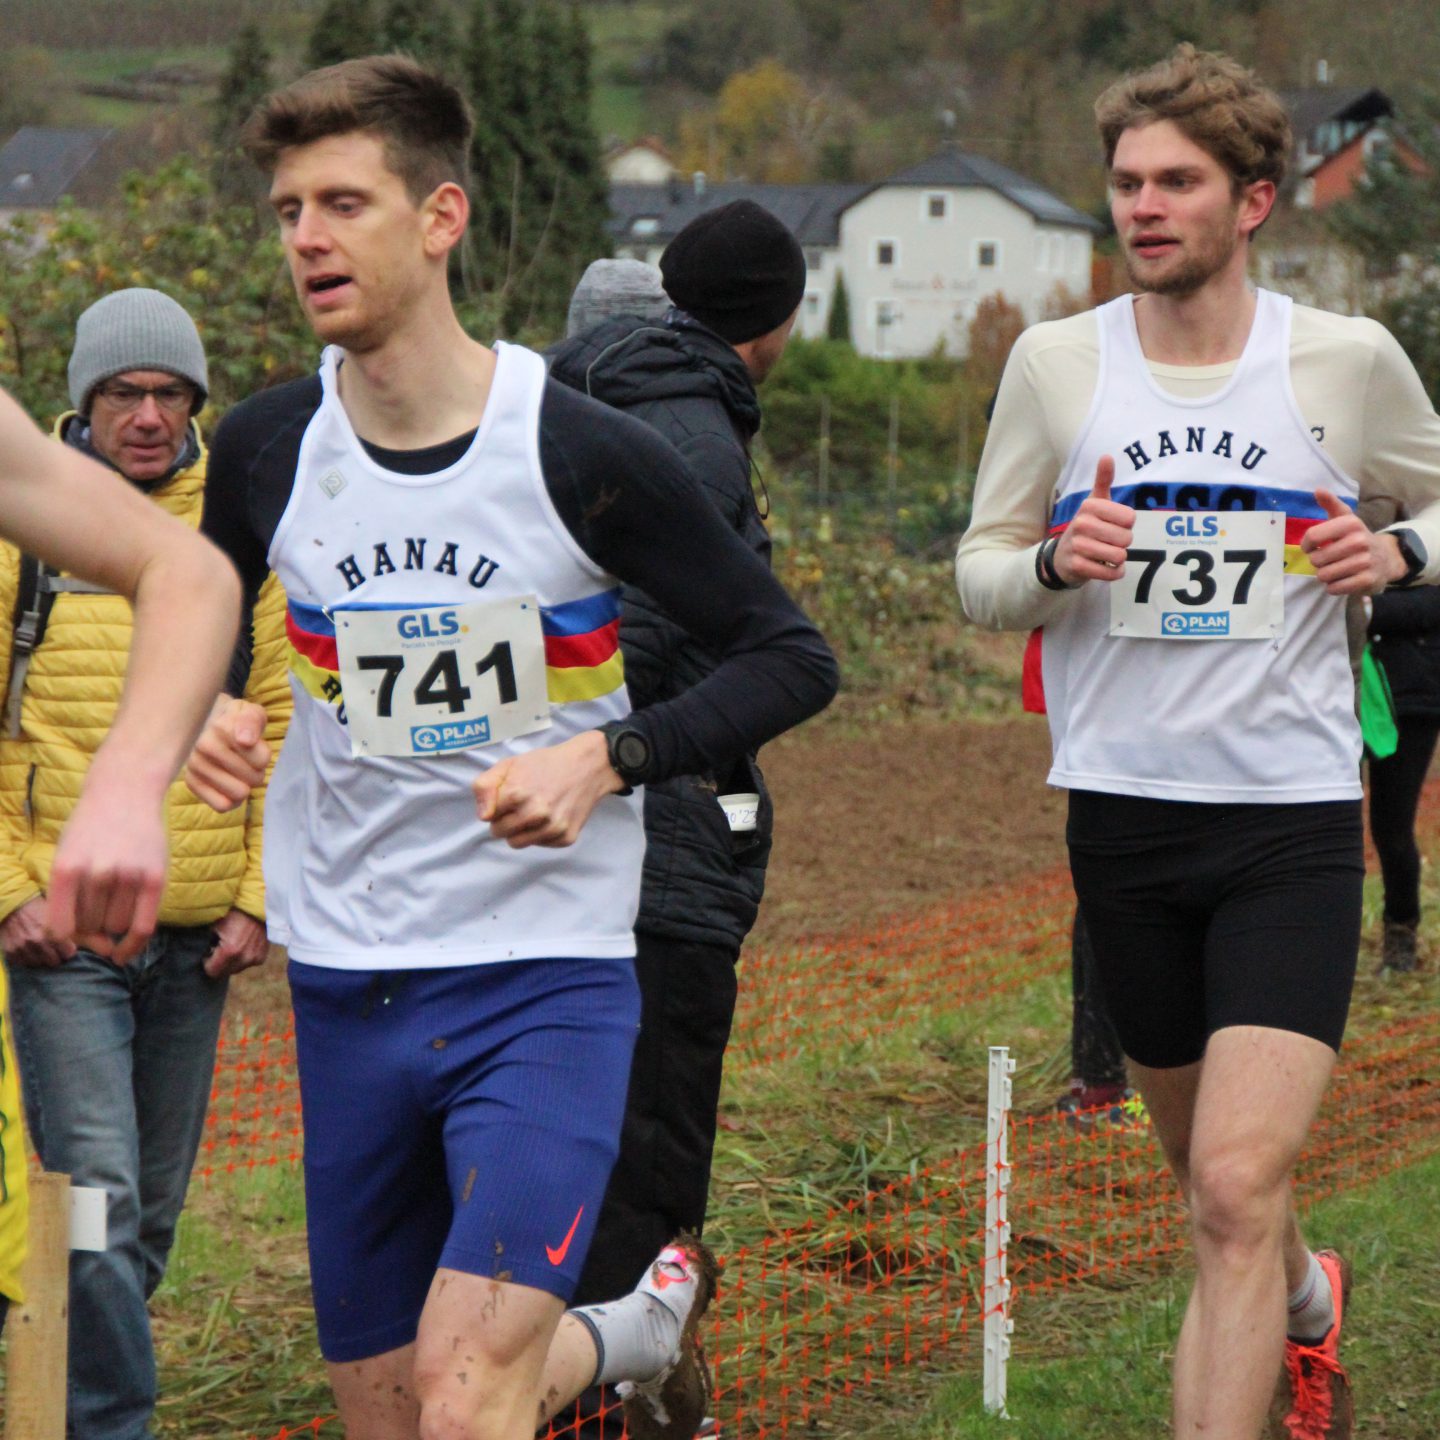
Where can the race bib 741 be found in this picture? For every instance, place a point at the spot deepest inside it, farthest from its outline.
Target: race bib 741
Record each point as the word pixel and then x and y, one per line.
pixel 430 680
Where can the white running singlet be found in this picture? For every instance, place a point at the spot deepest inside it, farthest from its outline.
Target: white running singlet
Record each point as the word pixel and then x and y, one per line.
pixel 380 862
pixel 1210 719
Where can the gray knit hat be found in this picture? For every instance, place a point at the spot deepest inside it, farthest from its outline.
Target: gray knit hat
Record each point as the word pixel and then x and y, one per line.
pixel 616 287
pixel 134 330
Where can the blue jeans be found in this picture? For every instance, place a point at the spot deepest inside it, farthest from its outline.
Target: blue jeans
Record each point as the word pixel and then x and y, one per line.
pixel 116 1065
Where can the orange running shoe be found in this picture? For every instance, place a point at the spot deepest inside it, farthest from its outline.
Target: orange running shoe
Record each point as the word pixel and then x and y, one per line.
pixel 1313 1399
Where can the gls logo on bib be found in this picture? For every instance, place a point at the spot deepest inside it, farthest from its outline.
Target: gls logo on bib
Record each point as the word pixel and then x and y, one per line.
pixel 428 625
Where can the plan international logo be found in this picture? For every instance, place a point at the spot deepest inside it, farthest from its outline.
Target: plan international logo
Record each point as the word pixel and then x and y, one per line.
pixel 1180 623
pixel 435 739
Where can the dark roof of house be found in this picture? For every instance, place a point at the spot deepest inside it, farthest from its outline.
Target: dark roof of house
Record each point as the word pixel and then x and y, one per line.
pixel 39 164
pixel 954 169
pixel 1310 109
pixel 812 212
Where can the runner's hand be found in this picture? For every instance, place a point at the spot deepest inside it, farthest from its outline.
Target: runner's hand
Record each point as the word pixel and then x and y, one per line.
pixel 109 869
pixel 230 757
pixel 26 941
pixel 1093 545
pixel 544 797
pixel 1349 557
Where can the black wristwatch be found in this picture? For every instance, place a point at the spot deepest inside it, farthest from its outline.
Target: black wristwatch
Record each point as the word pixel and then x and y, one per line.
pixel 629 752
pixel 1045 571
pixel 1413 553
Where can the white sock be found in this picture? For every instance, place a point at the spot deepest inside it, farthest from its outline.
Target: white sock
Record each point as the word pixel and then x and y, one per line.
pixel 1311 1305
pixel 638 1336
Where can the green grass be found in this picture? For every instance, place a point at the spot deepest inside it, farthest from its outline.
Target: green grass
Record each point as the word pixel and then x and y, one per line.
pixel 622 34
pixel 1110 1379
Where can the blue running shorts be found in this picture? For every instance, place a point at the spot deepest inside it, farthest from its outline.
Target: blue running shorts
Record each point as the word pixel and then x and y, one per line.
pixel 466 1118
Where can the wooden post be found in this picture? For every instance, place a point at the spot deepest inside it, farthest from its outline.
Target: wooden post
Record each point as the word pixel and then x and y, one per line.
pixel 37 1332
pixel 825 451
pixel 892 463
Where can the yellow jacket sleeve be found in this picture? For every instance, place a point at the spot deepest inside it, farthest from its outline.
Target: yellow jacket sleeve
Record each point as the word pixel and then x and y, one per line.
pixel 268 687
pixel 16 884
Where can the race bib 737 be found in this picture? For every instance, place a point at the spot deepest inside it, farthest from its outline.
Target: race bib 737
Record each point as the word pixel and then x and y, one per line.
pixel 1202 575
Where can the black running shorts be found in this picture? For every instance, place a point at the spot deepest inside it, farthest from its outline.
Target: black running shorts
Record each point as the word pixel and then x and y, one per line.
pixel 1204 916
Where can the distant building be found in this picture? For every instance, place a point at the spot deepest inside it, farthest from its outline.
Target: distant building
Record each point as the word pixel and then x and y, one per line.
pixel 646 162
pixel 918 251
pixel 1336 131
pixel 40 165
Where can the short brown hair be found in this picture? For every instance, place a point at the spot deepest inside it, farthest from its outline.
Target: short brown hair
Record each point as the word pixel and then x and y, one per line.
pixel 422 120
pixel 1214 101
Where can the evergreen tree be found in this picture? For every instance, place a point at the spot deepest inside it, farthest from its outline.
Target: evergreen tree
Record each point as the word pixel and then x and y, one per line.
pixel 569 185
pixel 837 326
pixel 422 28
pixel 245 81
pixel 490 167
pixel 343 30
pixel 539 196
pixel 518 213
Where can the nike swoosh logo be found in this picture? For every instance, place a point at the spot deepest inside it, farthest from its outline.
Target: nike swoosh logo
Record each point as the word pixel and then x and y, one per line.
pixel 557 1257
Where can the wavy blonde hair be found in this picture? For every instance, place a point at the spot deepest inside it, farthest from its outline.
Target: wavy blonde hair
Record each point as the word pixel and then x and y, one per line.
pixel 1213 101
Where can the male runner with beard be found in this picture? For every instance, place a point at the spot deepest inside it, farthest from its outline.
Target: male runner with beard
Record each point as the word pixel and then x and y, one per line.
pixel 1169 490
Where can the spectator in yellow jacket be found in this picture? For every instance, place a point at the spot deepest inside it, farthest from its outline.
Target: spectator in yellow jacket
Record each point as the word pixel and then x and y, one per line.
pixel 116 1061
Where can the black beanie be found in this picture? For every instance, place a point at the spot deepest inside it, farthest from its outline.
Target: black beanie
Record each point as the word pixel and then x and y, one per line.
pixel 737 270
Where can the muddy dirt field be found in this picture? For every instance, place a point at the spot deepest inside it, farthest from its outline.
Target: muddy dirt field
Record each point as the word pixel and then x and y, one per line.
pixel 914 814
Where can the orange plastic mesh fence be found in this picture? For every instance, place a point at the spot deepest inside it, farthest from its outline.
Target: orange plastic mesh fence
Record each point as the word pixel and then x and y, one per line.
pixel 790 1003
pixel 813 1316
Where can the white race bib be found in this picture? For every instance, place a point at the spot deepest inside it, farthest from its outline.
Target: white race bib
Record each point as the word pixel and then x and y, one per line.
pixel 1202 575
pixel 436 678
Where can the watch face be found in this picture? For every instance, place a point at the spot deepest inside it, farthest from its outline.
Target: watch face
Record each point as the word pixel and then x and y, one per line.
pixel 631 750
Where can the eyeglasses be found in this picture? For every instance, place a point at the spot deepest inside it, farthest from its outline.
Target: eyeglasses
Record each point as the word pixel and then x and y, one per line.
pixel 124 396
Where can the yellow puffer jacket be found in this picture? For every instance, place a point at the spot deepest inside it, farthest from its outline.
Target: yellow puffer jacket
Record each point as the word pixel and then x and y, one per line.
pixel 71 694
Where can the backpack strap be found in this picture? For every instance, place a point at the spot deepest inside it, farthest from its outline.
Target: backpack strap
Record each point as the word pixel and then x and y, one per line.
pixel 34 597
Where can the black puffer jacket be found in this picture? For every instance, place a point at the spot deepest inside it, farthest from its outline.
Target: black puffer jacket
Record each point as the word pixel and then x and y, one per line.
pixel 702 883
pixel 1405 639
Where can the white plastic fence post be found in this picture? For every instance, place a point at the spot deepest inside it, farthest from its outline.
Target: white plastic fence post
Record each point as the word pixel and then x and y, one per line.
pixel 998 1325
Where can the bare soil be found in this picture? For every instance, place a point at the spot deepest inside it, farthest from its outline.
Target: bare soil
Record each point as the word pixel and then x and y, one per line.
pixel 910 815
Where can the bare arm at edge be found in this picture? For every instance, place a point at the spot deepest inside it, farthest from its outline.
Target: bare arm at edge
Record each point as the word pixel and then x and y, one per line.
pixel 109 869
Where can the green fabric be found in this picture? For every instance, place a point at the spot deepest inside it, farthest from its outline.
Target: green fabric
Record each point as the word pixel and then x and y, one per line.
pixel 1377 709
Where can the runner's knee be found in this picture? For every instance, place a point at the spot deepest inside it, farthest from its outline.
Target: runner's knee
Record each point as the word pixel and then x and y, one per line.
pixel 1238 1199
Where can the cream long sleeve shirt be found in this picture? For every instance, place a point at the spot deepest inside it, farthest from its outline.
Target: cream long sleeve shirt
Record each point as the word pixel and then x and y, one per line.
pixel 1356 388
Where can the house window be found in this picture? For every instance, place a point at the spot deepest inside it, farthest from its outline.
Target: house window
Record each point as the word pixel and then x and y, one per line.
pixel 987 254
pixel 814 258
pixel 884 252
pixel 936 206
pixel 812 304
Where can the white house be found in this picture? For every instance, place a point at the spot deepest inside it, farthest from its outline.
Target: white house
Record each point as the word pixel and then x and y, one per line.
pixel 645 162
pixel 918 251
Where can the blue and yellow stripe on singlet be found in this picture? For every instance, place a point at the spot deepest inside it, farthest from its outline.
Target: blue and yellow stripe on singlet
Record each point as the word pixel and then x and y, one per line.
pixel 1300 508
pixel 582 649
